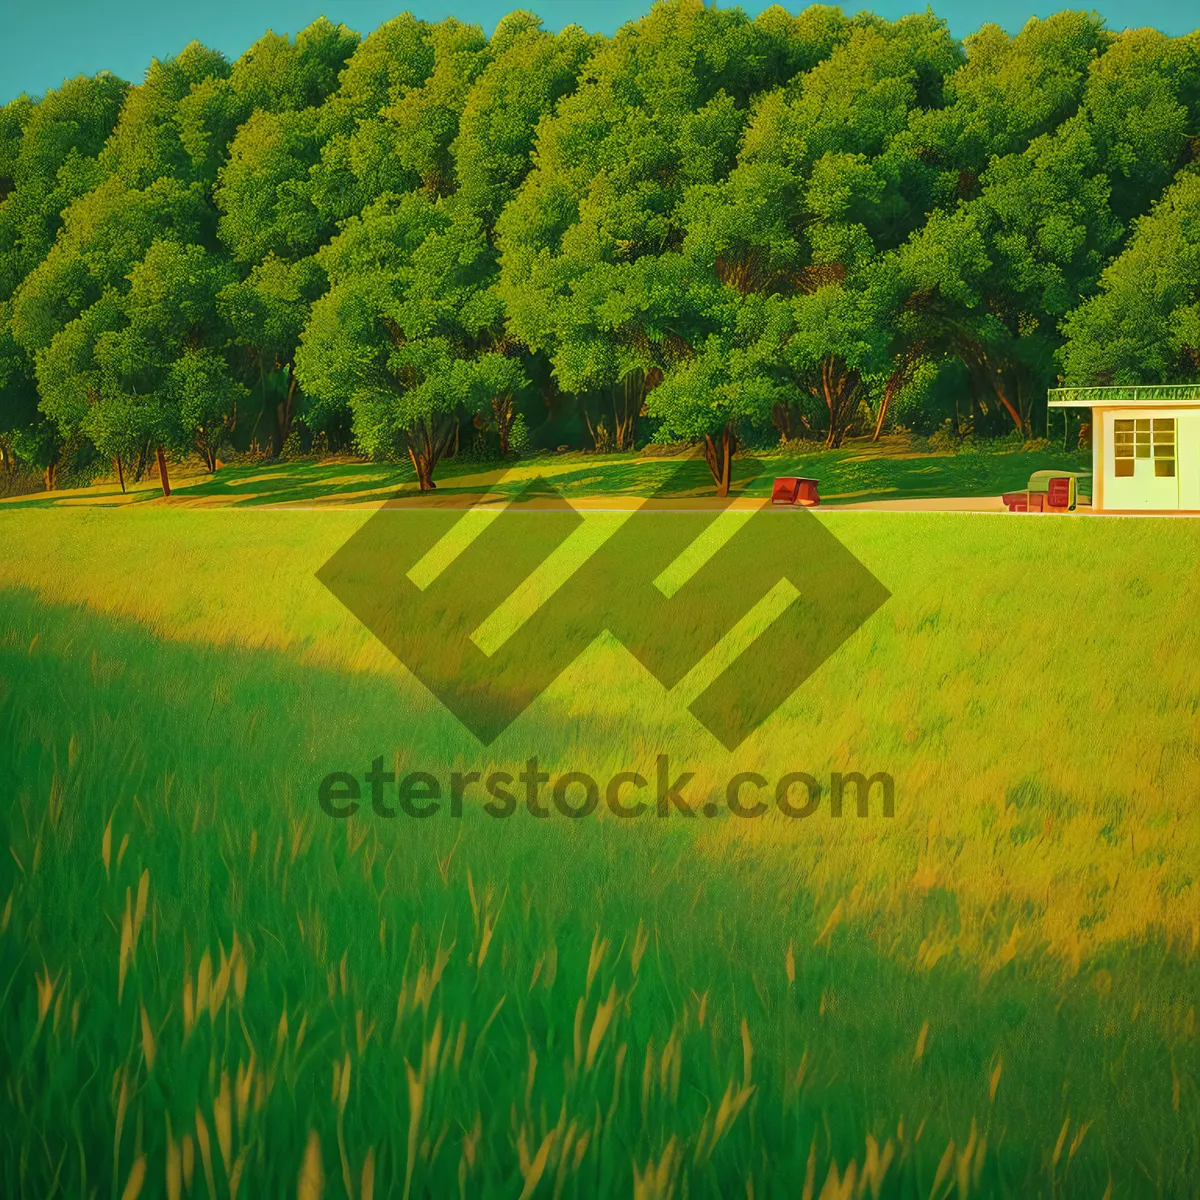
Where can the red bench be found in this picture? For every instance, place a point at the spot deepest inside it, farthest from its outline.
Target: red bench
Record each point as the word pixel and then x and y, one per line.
pixel 795 489
pixel 1024 501
pixel 785 490
pixel 1061 495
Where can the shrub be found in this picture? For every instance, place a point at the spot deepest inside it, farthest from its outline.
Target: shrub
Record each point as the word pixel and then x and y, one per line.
pixel 293 445
pixel 758 439
pixel 944 440
pixel 520 441
pixel 800 445
pixel 482 447
pixel 21 480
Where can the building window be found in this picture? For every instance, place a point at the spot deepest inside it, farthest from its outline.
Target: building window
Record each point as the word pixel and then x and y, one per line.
pixel 1145 438
pixel 1164 447
pixel 1123 433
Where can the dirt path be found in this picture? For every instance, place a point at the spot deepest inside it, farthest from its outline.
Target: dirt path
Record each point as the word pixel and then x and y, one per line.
pixel 927 504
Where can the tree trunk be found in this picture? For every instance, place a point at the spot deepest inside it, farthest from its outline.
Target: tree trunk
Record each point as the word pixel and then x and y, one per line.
pixel 426 445
pixel 120 472
pixel 208 452
pixel 597 432
pixel 267 410
pixel 625 417
pixel 889 390
pixel 720 458
pixel 1024 406
pixel 985 372
pixel 505 412
pixel 839 388
pixel 781 418
pixel 999 388
pixel 898 380
pixel 423 468
pixel 51 475
pixel 162 471
pixel 285 410
pixel 143 460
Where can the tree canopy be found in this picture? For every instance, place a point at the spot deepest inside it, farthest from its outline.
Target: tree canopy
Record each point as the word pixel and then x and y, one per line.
pixel 704 228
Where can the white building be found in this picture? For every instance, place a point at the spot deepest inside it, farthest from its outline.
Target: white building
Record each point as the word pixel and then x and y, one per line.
pixel 1145 445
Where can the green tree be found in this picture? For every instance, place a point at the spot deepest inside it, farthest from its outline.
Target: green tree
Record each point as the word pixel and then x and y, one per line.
pixel 360 158
pixel 172 347
pixel 407 332
pixel 264 191
pixel 826 181
pixel 274 75
pixel 22 426
pixel 529 73
pixel 147 367
pixel 708 397
pixel 1047 220
pixel 591 270
pixel 397 56
pixel 279 73
pixel 426 118
pixel 105 234
pixel 78 394
pixel 147 143
pixel 1143 324
pixel 267 313
pixel 280 97
pixel 49 152
pixel 391 125
pixel 1009 91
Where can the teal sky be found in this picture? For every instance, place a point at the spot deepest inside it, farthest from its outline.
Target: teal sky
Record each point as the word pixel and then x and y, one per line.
pixel 43 42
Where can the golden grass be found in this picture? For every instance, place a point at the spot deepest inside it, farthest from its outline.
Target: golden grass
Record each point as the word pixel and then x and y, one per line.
pixel 1031 687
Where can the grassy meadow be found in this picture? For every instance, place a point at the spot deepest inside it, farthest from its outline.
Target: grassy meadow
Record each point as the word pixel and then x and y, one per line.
pixel 891 469
pixel 213 989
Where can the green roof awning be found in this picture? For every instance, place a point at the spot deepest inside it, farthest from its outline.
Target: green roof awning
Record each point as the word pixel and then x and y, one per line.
pixel 1133 394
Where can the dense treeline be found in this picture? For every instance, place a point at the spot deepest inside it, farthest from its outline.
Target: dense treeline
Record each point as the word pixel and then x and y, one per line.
pixel 704 228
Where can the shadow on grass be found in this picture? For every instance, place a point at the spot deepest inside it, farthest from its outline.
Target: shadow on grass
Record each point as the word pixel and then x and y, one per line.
pixel 299 483
pixel 321 484
pixel 204 755
pixel 843 475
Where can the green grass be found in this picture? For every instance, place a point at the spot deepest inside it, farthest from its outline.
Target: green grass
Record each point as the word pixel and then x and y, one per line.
pixel 859 471
pixel 1010 963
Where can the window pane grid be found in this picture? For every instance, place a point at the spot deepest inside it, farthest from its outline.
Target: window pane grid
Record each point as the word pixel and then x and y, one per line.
pixel 1144 438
